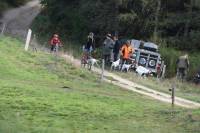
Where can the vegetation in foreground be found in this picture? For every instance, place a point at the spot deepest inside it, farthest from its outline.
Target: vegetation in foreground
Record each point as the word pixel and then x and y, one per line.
pixel 41 93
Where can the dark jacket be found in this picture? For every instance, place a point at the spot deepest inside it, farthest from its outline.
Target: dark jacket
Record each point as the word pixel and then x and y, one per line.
pixel 90 43
pixel 117 46
pixel 182 62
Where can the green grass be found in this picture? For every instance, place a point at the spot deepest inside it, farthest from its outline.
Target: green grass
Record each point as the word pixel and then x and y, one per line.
pixel 42 94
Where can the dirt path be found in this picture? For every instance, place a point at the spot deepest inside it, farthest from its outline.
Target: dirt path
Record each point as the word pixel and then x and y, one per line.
pixel 18 21
pixel 129 85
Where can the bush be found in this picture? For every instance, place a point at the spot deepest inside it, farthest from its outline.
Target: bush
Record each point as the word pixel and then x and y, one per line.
pixel 170 56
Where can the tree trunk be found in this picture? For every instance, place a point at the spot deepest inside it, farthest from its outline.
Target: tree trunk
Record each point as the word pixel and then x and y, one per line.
pixel 116 21
pixel 156 20
pixel 187 25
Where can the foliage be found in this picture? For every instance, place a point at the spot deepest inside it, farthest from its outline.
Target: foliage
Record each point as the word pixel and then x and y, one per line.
pixel 178 20
pixel 170 56
pixel 175 21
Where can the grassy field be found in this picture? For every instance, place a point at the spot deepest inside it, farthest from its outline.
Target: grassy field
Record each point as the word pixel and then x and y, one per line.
pixel 40 93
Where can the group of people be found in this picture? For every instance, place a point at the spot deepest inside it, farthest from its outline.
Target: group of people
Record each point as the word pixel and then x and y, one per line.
pixel 112 49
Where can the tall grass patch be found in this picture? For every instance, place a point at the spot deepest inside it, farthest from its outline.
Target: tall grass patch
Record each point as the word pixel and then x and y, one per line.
pixel 170 56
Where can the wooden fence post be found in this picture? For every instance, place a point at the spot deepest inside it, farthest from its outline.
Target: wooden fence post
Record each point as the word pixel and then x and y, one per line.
pixel 28 39
pixel 102 73
pixel 173 94
pixel 3 29
pixel 163 72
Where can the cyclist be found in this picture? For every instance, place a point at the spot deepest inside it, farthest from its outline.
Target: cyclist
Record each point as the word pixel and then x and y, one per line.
pixel 55 43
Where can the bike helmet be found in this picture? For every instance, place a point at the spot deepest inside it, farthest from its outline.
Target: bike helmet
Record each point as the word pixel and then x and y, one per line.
pixel 55 35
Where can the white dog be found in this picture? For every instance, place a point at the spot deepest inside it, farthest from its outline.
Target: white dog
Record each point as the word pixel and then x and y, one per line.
pixel 126 67
pixel 91 62
pixel 115 64
pixel 142 71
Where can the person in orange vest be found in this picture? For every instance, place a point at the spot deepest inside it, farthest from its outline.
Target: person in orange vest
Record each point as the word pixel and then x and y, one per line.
pixel 126 52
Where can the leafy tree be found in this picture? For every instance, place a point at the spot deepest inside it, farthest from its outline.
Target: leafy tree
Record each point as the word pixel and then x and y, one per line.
pixel 176 21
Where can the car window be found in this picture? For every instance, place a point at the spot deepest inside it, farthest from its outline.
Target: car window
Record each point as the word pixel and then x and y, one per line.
pixel 135 43
pixel 150 47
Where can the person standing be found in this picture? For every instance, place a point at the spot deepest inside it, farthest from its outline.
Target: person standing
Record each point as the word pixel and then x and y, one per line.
pixel 108 45
pixel 126 52
pixel 90 43
pixel 88 48
pixel 116 48
pixel 182 64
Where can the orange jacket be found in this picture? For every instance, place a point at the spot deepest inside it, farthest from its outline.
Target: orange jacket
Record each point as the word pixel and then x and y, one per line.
pixel 126 51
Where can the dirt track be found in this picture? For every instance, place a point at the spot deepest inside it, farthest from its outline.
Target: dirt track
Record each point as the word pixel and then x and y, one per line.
pixel 129 85
pixel 18 21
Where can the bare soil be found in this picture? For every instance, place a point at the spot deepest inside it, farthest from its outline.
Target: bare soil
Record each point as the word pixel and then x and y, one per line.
pixel 18 20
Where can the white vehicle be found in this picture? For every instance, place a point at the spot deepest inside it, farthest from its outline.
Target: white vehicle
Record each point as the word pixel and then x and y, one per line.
pixel 146 55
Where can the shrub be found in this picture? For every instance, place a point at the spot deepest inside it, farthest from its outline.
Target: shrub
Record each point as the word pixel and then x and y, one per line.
pixel 170 57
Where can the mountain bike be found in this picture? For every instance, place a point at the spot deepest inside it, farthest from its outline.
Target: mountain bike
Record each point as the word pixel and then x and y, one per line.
pixel 56 49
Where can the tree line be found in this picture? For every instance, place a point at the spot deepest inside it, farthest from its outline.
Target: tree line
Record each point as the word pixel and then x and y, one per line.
pixel 172 24
pixel 176 22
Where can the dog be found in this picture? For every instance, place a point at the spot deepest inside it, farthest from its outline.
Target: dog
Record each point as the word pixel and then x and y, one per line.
pixel 91 62
pixel 114 65
pixel 126 67
pixel 142 71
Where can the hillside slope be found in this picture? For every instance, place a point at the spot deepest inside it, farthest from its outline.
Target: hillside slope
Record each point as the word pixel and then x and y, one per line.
pixel 41 93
